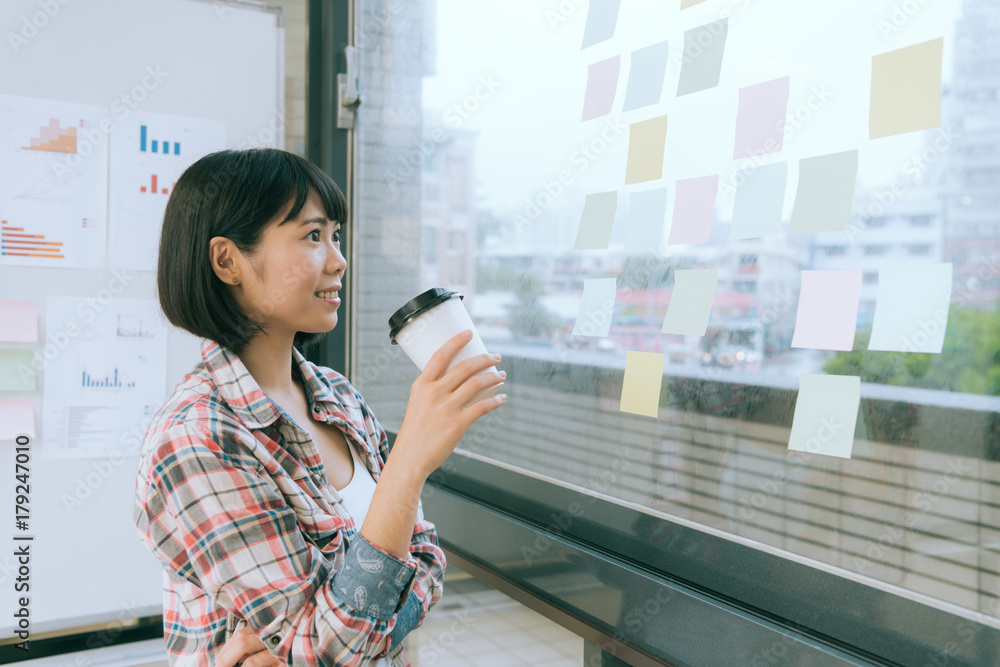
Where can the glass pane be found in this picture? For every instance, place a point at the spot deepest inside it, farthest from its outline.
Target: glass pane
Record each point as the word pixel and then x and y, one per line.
pixel 744 255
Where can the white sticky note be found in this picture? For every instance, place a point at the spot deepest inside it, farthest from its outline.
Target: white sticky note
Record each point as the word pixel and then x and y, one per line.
pixel 702 61
pixel 691 301
pixel 602 17
pixel 759 201
pixel 596 308
pixel 826 414
pixel 645 78
pixel 595 223
pixel 827 315
pixel 642 383
pixel 646 216
pixel 911 310
pixel 826 193
pixel 17 417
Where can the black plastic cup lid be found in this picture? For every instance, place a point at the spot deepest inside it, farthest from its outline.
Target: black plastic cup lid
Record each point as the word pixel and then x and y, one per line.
pixel 417 306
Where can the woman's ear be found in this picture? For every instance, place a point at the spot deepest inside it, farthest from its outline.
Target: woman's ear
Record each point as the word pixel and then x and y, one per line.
pixel 222 255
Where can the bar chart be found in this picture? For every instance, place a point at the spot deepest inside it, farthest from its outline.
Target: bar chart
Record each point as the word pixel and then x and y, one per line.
pixel 154 144
pixel 54 139
pixel 18 242
pixel 154 186
pixel 109 381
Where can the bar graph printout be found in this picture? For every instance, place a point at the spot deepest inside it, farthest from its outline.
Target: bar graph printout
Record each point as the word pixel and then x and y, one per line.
pixel 53 183
pixel 102 387
pixel 149 152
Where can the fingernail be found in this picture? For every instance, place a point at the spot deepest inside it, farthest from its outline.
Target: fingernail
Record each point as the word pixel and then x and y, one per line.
pixel 497 357
pixel 502 397
pixel 503 374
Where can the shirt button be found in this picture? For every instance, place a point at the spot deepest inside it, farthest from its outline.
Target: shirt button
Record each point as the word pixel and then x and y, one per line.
pixel 275 640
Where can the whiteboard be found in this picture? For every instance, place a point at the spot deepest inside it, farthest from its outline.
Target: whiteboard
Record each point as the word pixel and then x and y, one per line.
pixel 216 61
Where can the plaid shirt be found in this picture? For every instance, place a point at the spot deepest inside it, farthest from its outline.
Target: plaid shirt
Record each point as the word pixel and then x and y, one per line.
pixel 232 499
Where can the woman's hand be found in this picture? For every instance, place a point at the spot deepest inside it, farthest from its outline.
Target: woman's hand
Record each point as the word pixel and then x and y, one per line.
pixel 436 418
pixel 245 646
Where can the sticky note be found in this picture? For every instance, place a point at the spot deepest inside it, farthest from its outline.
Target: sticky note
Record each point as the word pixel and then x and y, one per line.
pixel 17 417
pixel 826 193
pixel 690 3
pixel 645 77
pixel 906 90
pixel 18 321
pixel 647 212
pixel 17 370
pixel 911 309
pixel 595 224
pixel 760 118
pixel 826 414
pixel 702 62
pixel 828 310
pixel 759 202
pixel 646 142
pixel 691 301
pixel 602 81
pixel 602 17
pixel 694 207
pixel 641 386
pixel 594 318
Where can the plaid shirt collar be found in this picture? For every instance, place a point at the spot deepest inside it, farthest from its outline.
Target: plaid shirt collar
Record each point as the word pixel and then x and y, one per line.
pixel 242 393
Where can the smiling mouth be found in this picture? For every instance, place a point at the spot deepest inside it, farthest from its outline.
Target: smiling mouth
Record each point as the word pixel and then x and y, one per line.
pixel 329 296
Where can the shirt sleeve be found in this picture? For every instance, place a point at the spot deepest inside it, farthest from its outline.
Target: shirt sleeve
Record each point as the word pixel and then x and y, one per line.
pixel 229 532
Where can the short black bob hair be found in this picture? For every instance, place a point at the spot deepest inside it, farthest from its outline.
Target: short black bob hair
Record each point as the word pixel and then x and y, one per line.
pixel 235 194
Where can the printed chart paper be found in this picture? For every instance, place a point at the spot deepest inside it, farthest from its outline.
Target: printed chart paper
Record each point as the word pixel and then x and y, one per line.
pixel 694 208
pixel 107 382
pixel 641 386
pixel 691 302
pixel 18 321
pixel 597 307
pixel 17 370
pixel 17 417
pixel 826 193
pixel 760 118
pixel 826 415
pixel 646 143
pixel 602 17
pixel 906 90
pixel 828 310
pixel 647 213
pixel 598 217
pixel 701 65
pixel 602 81
pixel 759 202
pixel 645 78
pixel 911 310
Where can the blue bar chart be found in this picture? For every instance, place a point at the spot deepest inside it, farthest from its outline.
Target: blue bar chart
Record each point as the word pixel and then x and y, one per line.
pixel 156 145
pixel 111 381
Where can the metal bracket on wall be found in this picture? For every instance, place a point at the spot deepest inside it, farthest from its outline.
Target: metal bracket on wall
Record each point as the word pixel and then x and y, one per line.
pixel 348 97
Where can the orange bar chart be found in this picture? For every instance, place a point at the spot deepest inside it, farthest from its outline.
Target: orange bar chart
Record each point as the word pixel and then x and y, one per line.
pixel 14 242
pixel 152 188
pixel 54 139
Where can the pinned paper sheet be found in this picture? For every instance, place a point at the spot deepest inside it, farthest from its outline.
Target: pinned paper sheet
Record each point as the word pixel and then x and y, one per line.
pixel 18 321
pixel 906 90
pixel 17 417
pixel 645 77
pixel 595 224
pixel 694 208
pixel 602 17
pixel 760 118
pixel 643 379
pixel 702 62
pixel 645 150
pixel 17 370
pixel 759 202
pixel 602 81
pixel 826 415
pixel 826 193
pixel 691 301
pixel 828 310
pixel 594 318
pixel 647 212
pixel 911 311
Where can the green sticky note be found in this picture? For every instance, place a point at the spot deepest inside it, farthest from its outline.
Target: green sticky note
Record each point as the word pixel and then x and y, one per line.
pixel 17 370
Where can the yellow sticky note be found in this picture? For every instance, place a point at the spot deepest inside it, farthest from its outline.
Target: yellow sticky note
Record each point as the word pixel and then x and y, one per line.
pixel 906 90
pixel 645 150
pixel 690 3
pixel 643 379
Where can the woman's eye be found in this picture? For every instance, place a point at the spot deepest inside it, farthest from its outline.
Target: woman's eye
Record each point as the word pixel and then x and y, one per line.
pixel 316 232
pixel 336 236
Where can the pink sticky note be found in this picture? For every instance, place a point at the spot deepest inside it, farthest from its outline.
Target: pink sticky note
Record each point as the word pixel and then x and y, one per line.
pixel 18 321
pixel 602 81
pixel 694 207
pixel 828 310
pixel 760 119
pixel 17 417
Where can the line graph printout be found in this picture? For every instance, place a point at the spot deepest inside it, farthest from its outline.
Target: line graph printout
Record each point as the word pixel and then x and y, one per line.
pixel 149 152
pixel 53 183
pixel 108 378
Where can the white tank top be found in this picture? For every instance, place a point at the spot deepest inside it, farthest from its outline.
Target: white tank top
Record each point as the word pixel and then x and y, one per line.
pixel 357 497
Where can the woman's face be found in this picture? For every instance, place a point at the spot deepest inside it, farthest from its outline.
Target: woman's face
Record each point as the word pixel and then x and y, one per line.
pixel 293 280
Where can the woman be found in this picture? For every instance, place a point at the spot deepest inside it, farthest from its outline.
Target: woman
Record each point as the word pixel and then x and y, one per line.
pixel 238 492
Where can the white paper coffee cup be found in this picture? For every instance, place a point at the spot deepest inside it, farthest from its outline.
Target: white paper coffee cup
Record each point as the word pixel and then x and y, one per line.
pixel 427 321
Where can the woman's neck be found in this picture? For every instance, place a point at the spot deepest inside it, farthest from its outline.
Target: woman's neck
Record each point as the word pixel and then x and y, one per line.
pixel 269 360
